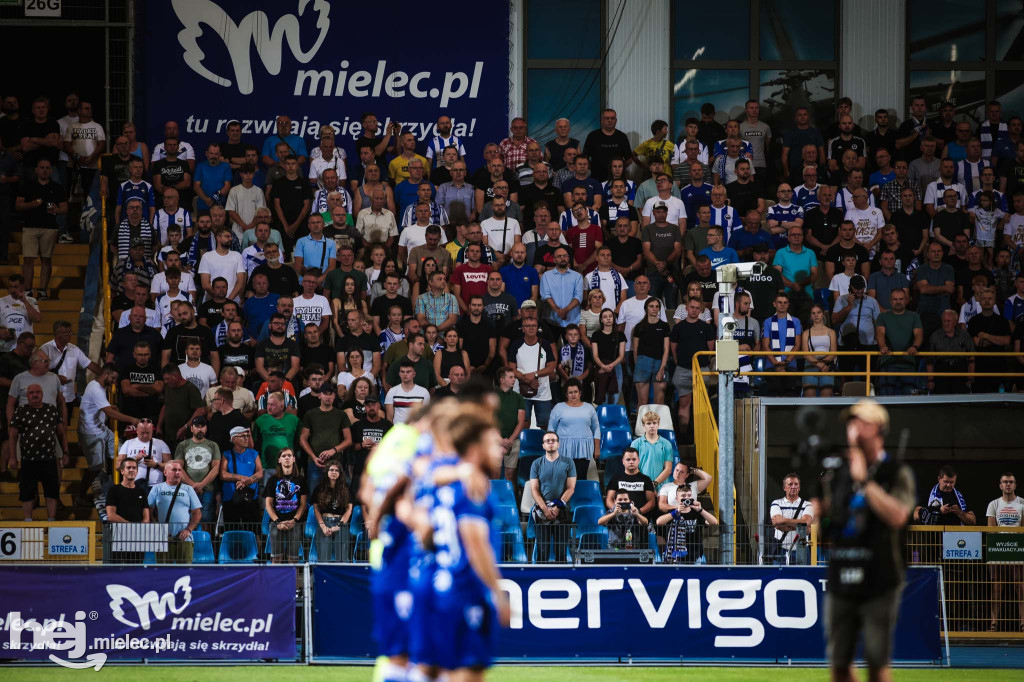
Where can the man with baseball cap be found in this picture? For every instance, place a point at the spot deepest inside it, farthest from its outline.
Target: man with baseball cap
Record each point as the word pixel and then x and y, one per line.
pixel 366 433
pixel 200 456
pixel 869 499
pixel 240 473
pixel 853 317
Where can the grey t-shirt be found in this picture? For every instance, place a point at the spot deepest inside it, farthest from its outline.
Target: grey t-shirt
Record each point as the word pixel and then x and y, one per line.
pixel 662 240
pixel 48 382
pixel 884 285
pixel 861 317
pixel 934 303
pixel 757 136
pixel 551 476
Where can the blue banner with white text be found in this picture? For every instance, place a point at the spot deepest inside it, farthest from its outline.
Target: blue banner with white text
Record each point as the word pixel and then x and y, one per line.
pixel 660 612
pixel 79 616
pixel 206 62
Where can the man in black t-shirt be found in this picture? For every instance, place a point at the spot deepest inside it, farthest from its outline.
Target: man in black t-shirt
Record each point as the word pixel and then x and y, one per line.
pixel 290 200
pixel 314 351
pixel 762 288
pixel 281 279
pixel 277 351
pixel 627 252
pixel 188 330
pixel 354 338
pixel 742 192
pixel 847 244
pixel 366 433
pixel 479 339
pixel 627 526
pixel 40 135
pixel 689 336
pixel 379 309
pixel 141 383
pixel 234 353
pixel 126 502
pixel 606 143
pixel 705 276
pixel 625 476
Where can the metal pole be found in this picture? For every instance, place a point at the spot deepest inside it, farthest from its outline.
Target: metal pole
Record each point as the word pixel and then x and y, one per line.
pixel 726 442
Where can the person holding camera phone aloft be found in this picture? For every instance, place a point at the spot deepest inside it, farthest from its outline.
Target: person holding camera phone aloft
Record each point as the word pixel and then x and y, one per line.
pixel 685 541
pixel 627 527
pixel 869 499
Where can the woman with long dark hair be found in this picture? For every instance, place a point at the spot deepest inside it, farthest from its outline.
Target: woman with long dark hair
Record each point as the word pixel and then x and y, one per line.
pixel 333 508
pixel 355 399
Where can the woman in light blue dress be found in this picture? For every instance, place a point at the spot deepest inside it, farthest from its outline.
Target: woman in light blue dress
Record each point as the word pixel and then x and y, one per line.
pixel 579 432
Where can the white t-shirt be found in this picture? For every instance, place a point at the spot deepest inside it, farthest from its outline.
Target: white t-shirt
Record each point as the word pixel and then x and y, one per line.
pixel 1014 229
pixel 74 360
pixel 138 451
pixel 840 284
pixel 84 138
pixel 630 313
pixel 405 401
pixel 14 316
pixel 1006 513
pixel 866 222
pixel 227 266
pixel 416 235
pixel 92 420
pixel 526 359
pixel 163 309
pixel 606 283
pixel 669 491
pixel 202 376
pixel 312 310
pixel 790 510
pixel 676 208
pixel 244 201
pixel 159 284
pixel 499 232
pixel 153 318
pixel 317 166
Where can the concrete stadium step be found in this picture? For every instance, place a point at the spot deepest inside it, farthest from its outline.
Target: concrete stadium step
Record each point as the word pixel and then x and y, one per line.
pixel 39 514
pixel 64 271
pixel 72 259
pixel 11 500
pixel 70 487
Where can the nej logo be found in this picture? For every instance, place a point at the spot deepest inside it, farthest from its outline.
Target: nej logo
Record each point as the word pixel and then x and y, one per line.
pixel 546 596
pixel 257 31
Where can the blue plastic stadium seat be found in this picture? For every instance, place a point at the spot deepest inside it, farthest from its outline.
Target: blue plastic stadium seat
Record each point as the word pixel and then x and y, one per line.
pixel 311 525
pixel 238 547
pixel 587 492
pixel 202 548
pixel 614 442
pixel 670 436
pixel 613 416
pixel 356 527
pixel 530 442
pixel 502 493
pixel 313 558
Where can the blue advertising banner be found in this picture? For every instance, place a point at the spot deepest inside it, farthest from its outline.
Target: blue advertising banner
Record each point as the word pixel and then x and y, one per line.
pixel 79 616
pixel 659 612
pixel 206 62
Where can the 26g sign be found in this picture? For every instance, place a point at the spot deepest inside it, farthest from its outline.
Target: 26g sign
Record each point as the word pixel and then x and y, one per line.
pixel 10 544
pixel 42 8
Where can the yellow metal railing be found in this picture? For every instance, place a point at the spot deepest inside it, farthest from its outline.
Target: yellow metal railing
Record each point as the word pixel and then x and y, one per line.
pixel 33 542
pixel 984 591
pixel 108 327
pixel 705 433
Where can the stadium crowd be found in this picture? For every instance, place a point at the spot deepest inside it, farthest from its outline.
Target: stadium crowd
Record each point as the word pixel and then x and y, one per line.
pixel 276 309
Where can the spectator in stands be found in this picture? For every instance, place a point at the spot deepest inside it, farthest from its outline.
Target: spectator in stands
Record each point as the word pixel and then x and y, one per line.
pixel 854 318
pixel 624 476
pixel 945 505
pixel 1006 510
pixel 407 395
pixel 94 436
pixel 224 416
pixel 368 429
pixel 656 453
pixel 137 263
pixel 18 311
pixel 552 484
pixel 326 435
pixel 135 189
pixel 794 140
pixel 781 333
pixel 37 374
pixel 951 337
pixel 650 353
pixel 182 403
pixel 576 424
pixel 683 476
pixel 450 355
pixel 333 508
pixel 606 143
pixel 127 502
pixel 511 417
pixel 40 200
pixel 991 334
pixel 899 330
pixel 820 338
pixel 285 497
pixel 200 458
pixel 627 526
pixel 178 506
pixel 275 431
pixel 791 516
pixel 240 473
pixel 686 533
pixel 533 362
pixel 35 429
pixel 150 453
pixel 934 281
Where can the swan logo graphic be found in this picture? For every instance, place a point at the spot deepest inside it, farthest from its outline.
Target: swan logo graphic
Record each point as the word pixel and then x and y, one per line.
pixel 149 603
pixel 253 30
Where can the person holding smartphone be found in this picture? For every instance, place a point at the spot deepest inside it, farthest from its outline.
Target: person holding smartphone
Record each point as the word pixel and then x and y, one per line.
pixel 627 527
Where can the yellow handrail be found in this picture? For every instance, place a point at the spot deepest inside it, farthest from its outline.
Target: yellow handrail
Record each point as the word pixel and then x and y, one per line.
pixel 107 326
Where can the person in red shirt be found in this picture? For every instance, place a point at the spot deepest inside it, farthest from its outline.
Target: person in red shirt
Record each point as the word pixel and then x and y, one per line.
pixel 585 239
pixel 470 278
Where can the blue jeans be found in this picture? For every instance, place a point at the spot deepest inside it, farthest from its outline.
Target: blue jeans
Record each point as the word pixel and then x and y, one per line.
pixel 543 411
pixel 662 288
pixel 208 498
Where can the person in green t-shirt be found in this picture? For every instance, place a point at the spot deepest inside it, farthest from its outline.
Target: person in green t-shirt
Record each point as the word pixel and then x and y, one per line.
pixel 334 283
pixel 202 463
pixel 326 434
pixel 273 432
pixel 656 453
pixel 899 330
pixel 511 421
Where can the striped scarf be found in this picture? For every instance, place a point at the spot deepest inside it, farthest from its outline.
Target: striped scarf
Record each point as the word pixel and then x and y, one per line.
pixel 781 334
pixel 988 140
pixel 575 356
pixel 966 171
pixel 618 282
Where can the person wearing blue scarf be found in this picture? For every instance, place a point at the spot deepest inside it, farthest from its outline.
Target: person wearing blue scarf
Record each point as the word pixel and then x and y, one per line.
pixel 946 505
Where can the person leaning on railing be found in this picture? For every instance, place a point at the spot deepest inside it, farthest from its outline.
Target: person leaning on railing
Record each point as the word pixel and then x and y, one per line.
pixel 176 504
pixel 1006 510
pixel 127 503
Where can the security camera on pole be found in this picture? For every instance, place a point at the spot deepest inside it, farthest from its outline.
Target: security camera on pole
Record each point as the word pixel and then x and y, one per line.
pixel 727 363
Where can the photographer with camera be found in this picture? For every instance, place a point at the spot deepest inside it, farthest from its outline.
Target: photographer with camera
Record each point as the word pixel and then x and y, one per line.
pixel 686 529
pixel 627 527
pixel 869 499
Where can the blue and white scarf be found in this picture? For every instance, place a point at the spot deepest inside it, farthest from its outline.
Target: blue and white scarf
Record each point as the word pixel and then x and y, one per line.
pixel 935 501
pixel 967 170
pixel 988 140
pixel 575 355
pixel 618 282
pixel 781 334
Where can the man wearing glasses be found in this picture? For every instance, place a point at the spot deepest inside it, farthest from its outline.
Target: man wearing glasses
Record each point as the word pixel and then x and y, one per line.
pixel 458 191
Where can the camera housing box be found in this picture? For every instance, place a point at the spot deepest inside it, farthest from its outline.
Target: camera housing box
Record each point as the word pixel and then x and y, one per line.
pixel 727 355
